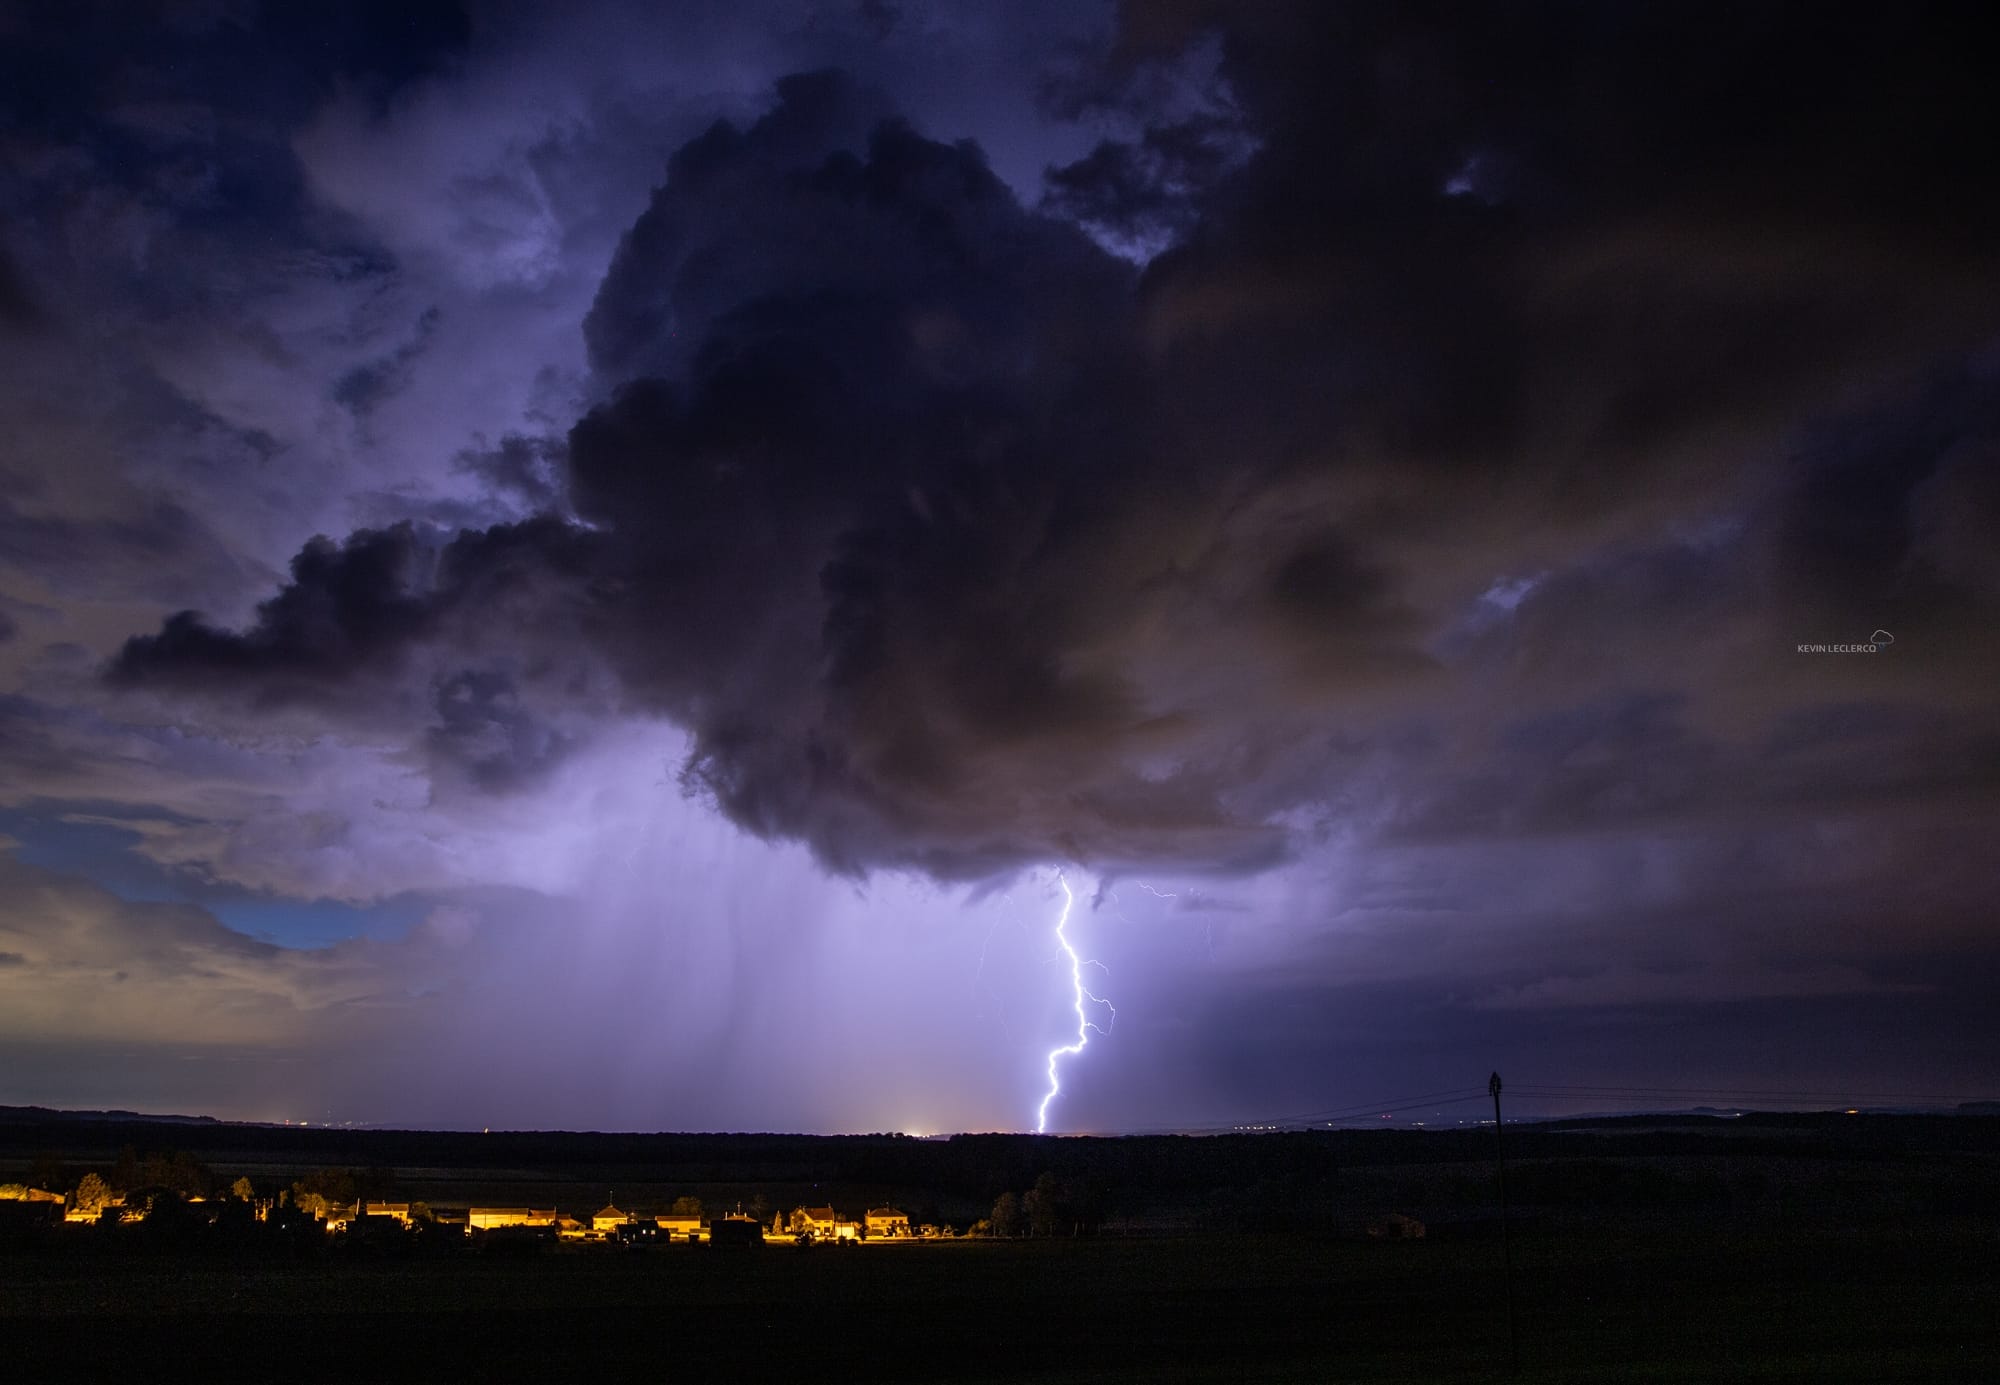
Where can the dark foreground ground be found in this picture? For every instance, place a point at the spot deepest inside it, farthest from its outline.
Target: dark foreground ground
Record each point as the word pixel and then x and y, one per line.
pixel 1913 1299
pixel 1796 1247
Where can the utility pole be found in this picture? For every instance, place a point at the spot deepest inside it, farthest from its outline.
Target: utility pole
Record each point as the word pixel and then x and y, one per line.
pixel 1506 1248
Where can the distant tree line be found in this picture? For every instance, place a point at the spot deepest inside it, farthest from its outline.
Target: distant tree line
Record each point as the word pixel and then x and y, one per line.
pixel 970 1171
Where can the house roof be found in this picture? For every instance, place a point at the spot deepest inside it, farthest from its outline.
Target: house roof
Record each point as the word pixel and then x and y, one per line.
pixel 818 1213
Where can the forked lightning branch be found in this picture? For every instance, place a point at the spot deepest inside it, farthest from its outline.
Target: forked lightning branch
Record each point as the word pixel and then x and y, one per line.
pixel 1079 994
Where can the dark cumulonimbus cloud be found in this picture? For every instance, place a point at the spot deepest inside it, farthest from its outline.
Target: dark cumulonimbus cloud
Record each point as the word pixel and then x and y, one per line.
pixel 957 541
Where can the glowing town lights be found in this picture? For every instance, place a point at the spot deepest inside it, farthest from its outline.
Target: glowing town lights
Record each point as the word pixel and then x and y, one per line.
pixel 1079 994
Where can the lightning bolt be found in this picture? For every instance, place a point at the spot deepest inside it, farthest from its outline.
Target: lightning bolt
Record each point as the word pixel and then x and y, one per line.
pixel 1080 993
pixel 1208 926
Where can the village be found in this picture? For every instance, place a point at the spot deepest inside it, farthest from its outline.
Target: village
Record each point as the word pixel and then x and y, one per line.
pixel 362 1220
pixel 685 1224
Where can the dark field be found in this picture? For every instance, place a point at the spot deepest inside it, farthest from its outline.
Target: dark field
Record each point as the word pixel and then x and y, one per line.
pixel 1668 1305
pixel 1790 1254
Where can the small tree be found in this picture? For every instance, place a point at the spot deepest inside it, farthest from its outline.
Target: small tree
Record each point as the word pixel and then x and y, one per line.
pixel 323 1191
pixel 1008 1219
pixel 243 1190
pixel 91 1194
pixel 1046 1206
pixel 686 1207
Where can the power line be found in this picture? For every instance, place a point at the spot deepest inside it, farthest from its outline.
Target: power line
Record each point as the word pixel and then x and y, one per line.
pixel 1413 1106
pixel 1569 1090
pixel 1350 1112
pixel 1402 1102
pixel 1361 1113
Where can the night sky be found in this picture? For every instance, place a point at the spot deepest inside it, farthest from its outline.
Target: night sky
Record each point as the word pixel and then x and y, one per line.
pixel 587 565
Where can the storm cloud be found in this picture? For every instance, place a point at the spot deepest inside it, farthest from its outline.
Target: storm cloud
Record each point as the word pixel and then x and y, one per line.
pixel 960 543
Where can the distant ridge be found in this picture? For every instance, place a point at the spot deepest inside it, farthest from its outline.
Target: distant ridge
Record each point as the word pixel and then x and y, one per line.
pixel 1691 1115
pixel 48 1115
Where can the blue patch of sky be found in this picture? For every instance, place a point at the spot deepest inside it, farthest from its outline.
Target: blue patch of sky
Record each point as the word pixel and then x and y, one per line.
pixel 77 841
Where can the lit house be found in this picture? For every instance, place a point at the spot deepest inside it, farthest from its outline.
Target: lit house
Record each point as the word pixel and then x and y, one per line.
pixel 374 1215
pixel 114 1202
pixel 487 1218
pixel 886 1222
pixel 679 1226
pixel 15 1192
pixel 608 1220
pixel 824 1224
pixel 816 1222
